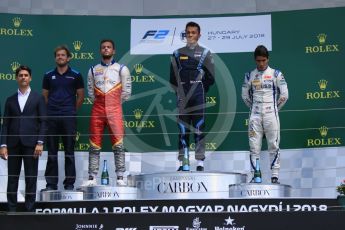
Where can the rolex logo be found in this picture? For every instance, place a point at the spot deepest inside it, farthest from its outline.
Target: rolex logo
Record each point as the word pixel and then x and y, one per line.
pixel 138 113
pixel 16 21
pixel 76 55
pixel 322 93
pixel 14 66
pixel 77 136
pixel 323 131
pixel 77 45
pixel 322 84
pixel 138 68
pixel 322 38
pixel 324 141
pixel 322 47
pixel 78 146
pixel 16 30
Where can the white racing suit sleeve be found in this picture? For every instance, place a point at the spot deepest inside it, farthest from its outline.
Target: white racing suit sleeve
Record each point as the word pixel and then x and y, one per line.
pixel 126 83
pixel 246 91
pixel 283 91
pixel 90 84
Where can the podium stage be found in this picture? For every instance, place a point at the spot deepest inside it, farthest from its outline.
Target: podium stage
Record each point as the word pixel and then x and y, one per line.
pixel 176 185
pixel 177 201
pixel 185 185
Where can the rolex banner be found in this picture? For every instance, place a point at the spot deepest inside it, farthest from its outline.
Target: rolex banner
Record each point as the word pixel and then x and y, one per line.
pixel 307 46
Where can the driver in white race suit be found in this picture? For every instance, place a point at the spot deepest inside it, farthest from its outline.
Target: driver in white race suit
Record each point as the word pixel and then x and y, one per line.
pixel 265 92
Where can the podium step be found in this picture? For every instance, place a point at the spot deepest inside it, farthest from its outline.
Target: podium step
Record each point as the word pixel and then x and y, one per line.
pixel 185 185
pixel 65 195
pixel 105 192
pixel 256 190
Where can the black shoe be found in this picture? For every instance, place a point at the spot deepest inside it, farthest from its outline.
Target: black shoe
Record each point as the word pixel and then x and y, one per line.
pixel 180 168
pixel 275 180
pixel 47 189
pixel 255 182
pixel 200 168
pixel 69 187
pixel 11 209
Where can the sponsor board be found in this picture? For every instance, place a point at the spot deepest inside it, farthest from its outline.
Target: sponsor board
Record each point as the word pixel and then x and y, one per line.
pixel 278 206
pixel 219 34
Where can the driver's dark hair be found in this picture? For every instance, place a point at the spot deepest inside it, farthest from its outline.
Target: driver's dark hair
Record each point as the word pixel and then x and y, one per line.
pixel 193 24
pixel 261 51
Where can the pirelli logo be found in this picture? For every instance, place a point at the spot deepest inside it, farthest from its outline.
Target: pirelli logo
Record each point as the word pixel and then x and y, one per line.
pixel 164 227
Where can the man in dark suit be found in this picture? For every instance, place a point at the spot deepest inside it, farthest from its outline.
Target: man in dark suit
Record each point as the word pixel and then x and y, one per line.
pixel 22 138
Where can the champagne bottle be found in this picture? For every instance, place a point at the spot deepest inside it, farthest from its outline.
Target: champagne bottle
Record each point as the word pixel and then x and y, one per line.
pixel 257 172
pixel 185 161
pixel 105 174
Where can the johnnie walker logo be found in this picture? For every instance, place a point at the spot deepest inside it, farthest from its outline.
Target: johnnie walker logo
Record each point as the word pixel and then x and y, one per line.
pixel 323 46
pixel 323 93
pixel 77 54
pixel 16 30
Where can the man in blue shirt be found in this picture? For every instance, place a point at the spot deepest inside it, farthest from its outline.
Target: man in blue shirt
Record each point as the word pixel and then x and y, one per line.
pixel 63 90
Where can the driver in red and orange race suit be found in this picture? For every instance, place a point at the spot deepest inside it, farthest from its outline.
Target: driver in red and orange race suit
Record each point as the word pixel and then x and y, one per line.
pixel 109 84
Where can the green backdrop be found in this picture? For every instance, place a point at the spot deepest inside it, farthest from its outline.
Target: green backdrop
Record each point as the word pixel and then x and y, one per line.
pixel 307 48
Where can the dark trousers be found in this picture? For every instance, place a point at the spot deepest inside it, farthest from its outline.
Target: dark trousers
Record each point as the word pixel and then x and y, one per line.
pixel 66 128
pixel 191 119
pixel 16 155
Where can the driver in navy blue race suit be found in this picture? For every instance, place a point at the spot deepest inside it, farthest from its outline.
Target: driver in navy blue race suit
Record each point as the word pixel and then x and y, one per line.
pixel 191 75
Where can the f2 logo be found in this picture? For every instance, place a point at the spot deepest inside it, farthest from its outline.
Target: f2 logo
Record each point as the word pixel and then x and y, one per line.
pixel 156 34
